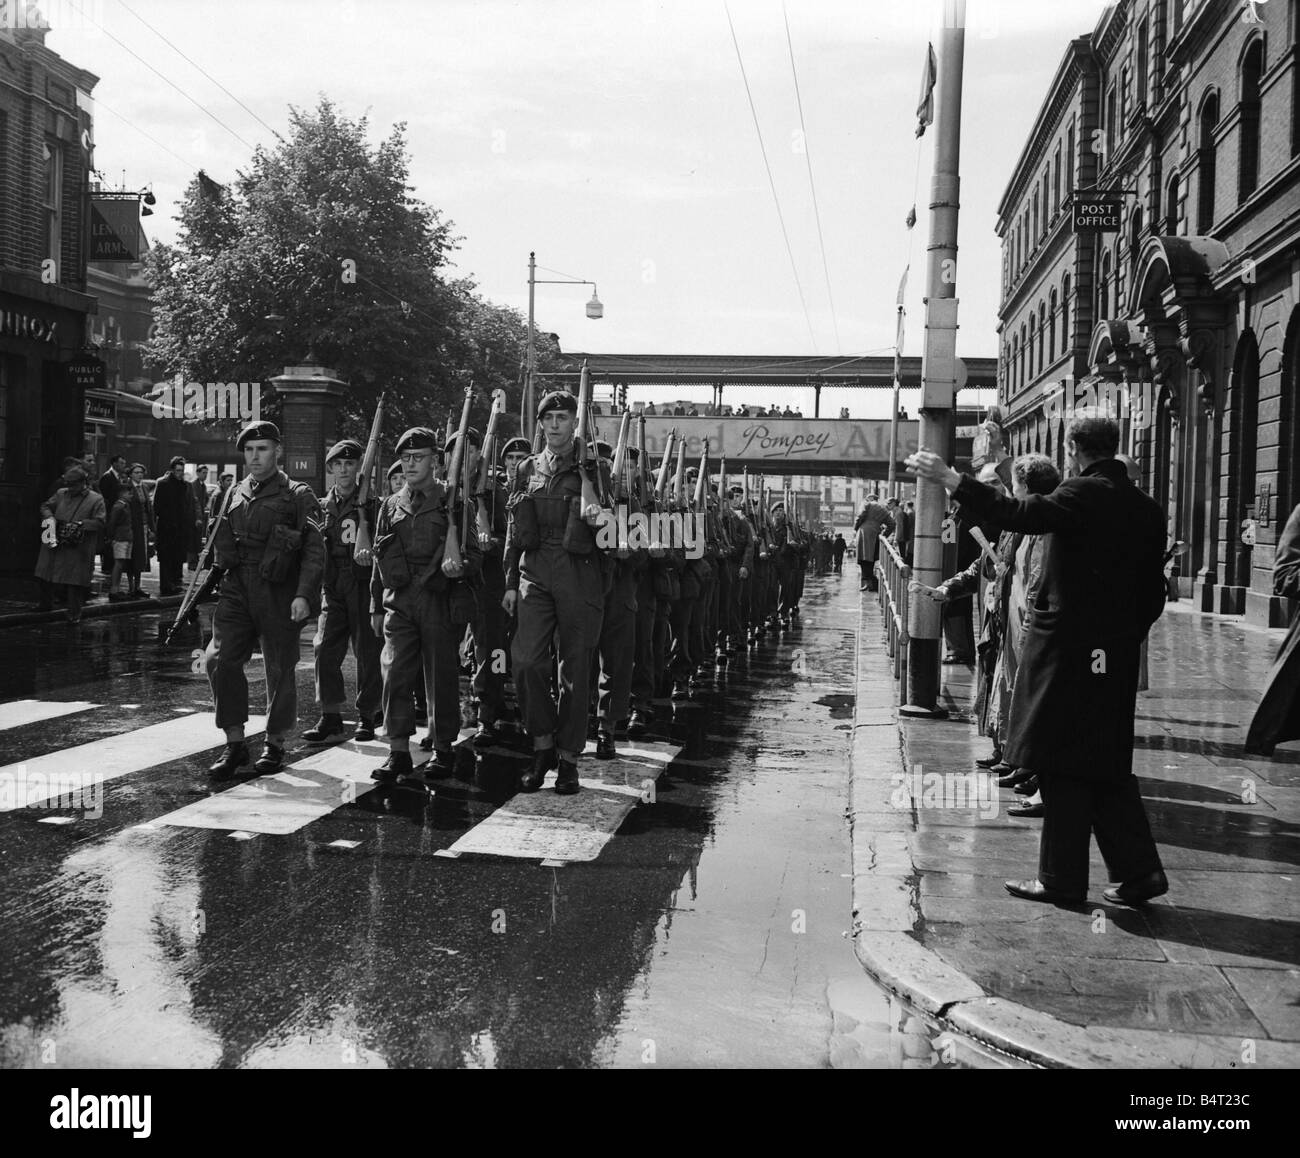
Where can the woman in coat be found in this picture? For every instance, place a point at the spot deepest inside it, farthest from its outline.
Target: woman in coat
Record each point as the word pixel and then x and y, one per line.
pixel 1277 719
pixel 72 519
pixel 871 522
pixel 127 523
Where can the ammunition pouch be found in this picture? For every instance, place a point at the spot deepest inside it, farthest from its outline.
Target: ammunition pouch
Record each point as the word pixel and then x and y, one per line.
pixel 462 603
pixel 390 558
pixel 579 538
pixel 525 535
pixel 280 554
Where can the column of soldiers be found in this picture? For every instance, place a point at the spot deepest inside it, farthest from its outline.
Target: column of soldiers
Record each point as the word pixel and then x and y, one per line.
pixel 526 579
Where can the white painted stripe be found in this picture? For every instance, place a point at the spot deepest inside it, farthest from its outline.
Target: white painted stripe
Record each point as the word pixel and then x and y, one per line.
pixel 57 820
pixel 344 844
pixel 16 713
pixel 557 829
pixel 283 803
pixel 84 769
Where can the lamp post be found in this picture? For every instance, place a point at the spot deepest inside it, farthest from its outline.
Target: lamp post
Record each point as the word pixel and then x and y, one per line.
pixel 595 310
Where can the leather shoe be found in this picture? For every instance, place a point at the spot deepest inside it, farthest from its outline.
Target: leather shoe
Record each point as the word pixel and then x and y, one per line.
pixel 441 766
pixel 566 779
pixel 488 733
pixel 270 761
pixel 366 729
pixel 988 762
pixel 638 723
pixel 605 746
pixel 1014 777
pixel 328 729
pixel 1029 810
pixel 233 757
pixel 1037 891
pixel 397 764
pixel 544 759
pixel 1155 884
pixel 1027 787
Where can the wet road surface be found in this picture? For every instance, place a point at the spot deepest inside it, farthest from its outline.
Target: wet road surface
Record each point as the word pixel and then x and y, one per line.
pixel 709 931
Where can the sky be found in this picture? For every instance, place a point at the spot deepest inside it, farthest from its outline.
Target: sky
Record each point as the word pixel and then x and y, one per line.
pixel 616 139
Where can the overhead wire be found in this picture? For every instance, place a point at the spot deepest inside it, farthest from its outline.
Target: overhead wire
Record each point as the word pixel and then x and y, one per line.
pixel 794 269
pixel 812 185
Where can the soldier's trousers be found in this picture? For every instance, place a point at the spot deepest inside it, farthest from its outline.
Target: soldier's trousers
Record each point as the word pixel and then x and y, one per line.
pixel 738 609
pixel 559 600
pixel 662 641
pixel 251 611
pixel 345 619
pixel 617 649
pixel 723 595
pixel 683 657
pixel 783 574
pixel 702 638
pixel 644 672
pixel 420 649
pixel 490 651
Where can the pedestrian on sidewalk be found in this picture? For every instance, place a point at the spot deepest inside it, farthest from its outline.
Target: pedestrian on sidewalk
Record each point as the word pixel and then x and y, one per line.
pixel 111 483
pixel 1102 589
pixel 872 521
pixel 1277 718
pixel 838 547
pixel 127 523
pixel 173 511
pixel 72 519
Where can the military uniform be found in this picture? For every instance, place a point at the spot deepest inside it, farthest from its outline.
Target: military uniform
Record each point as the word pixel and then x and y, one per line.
pixel 270 551
pixel 345 612
pixel 553 562
pixel 741 536
pixel 490 626
pixel 425 612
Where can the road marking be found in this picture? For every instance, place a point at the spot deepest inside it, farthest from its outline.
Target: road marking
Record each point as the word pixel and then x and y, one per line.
pixel 558 829
pixel 19 712
pixel 87 767
pixel 344 844
pixel 283 803
pixel 57 820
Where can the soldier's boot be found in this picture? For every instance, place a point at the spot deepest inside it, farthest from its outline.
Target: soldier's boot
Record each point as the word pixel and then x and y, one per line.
pixel 441 766
pixel 366 728
pixel 566 779
pixel 638 723
pixel 328 729
pixel 488 733
pixel 720 654
pixel 398 764
pixel 544 759
pixel 426 742
pixel 270 761
pixel 681 690
pixel 233 757
pixel 605 749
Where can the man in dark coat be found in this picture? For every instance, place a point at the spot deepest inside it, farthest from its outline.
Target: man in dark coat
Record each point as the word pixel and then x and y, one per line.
pixel 1075 697
pixel 1277 719
pixel 110 484
pixel 173 512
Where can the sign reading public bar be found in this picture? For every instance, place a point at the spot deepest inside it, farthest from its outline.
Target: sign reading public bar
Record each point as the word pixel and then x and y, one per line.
pixel 1096 212
pixel 85 372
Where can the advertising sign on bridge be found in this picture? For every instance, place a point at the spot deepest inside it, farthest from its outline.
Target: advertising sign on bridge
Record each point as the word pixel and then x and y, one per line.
pixel 782 445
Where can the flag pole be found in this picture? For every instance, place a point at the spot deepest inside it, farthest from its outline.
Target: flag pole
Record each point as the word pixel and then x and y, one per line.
pixel 938 367
pixel 898 372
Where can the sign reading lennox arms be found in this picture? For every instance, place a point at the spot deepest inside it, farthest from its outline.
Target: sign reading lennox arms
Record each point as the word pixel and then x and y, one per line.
pixel 785 445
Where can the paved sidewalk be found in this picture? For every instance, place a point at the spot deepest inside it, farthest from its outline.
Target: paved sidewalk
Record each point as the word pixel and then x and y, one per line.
pixel 1205 977
pixel 18 597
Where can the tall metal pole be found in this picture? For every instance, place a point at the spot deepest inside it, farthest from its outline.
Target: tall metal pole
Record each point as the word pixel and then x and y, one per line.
pixel 528 412
pixel 893 424
pixel 938 366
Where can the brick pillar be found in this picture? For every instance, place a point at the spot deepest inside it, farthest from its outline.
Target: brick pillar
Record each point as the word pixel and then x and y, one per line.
pixel 310 397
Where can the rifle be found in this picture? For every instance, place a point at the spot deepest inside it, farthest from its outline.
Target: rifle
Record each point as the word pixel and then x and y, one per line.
pixel 455 485
pixel 724 505
pixel 486 482
pixel 679 477
pixel 765 548
pixel 661 483
pixel 368 463
pixel 194 592
pixel 702 480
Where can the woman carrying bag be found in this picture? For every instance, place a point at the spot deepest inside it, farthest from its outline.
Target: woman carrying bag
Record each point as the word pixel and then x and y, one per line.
pixel 71 521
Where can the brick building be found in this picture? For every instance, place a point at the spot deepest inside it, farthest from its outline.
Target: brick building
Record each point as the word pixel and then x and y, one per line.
pixel 45 135
pixel 1183 317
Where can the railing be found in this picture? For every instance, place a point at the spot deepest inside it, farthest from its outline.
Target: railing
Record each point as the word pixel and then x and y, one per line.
pixel 894 576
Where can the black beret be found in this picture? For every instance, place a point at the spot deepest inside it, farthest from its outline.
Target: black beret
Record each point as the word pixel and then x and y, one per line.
pixel 558 400
pixel 474 439
pixel 632 453
pixel 604 450
pixel 396 468
pixel 417 438
pixel 258 430
pixel 736 490
pixel 517 446
pixel 344 448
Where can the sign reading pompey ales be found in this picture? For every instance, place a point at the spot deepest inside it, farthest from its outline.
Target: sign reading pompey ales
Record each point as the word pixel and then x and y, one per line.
pixel 782 445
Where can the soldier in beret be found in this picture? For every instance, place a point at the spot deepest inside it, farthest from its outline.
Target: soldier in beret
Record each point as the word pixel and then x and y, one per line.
pixel 270 558
pixel 345 607
pixel 554 584
pixel 414 604
pixel 741 536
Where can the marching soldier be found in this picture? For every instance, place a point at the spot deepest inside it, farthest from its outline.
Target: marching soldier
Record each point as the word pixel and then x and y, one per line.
pixel 785 557
pixel 270 558
pixel 741 535
pixel 414 603
pixel 555 587
pixel 345 611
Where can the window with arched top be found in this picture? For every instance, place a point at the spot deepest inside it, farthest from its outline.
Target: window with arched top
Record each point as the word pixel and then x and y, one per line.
pixel 1013 373
pixel 1103 288
pixel 1252 66
pixel 1033 329
pixel 1171 206
pixel 1134 233
pixel 1066 339
pixel 1206 158
pixel 1042 335
pixel 1051 327
pixel 1023 345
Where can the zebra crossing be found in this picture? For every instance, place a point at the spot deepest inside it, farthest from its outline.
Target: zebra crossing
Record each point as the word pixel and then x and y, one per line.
pixel 539 826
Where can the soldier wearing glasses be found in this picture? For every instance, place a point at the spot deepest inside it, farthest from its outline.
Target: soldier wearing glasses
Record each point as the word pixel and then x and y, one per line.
pixel 270 557
pixel 411 604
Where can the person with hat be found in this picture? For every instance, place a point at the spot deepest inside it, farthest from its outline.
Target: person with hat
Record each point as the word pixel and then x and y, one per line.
pixel 396 479
pixel 270 559
pixel 785 558
pixel 656 585
pixel 741 536
pixel 414 605
pixel 72 519
pixel 490 627
pixel 345 605
pixel 554 586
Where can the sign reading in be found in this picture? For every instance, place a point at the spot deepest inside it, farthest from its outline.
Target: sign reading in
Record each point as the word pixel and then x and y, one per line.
pixel 1096 212
pixel 115 233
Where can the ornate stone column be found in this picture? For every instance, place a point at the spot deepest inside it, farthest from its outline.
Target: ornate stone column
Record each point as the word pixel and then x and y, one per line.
pixel 310 396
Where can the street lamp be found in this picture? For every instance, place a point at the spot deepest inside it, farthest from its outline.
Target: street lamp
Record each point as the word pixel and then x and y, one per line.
pixel 595 310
